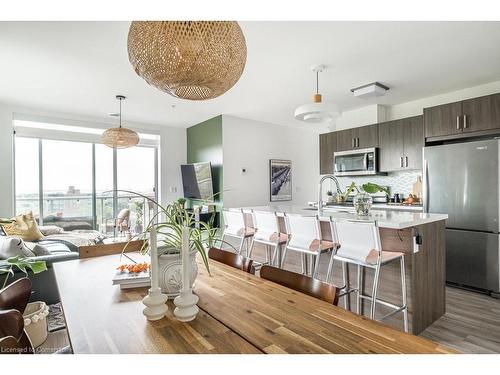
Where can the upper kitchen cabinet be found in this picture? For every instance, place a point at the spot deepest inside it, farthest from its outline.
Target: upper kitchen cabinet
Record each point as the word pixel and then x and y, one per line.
pixel 327 146
pixel 442 120
pixel 401 143
pixel 345 140
pixel 464 117
pixel 366 136
pixel 354 138
pixel 477 114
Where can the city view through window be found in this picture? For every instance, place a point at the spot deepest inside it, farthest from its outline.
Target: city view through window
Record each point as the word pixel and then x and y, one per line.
pixel 67 184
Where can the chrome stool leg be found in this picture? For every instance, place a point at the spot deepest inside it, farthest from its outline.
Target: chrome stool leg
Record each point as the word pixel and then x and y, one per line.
pixel 330 269
pixel 359 309
pixel 283 256
pixel 315 270
pixel 345 280
pixel 403 293
pixel 374 292
pixel 240 248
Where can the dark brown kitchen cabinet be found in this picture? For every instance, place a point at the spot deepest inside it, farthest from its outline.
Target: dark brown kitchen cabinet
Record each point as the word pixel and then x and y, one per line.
pixel 367 136
pixel 391 146
pixel 413 142
pixel 443 120
pixel 401 143
pixel 355 138
pixel 345 140
pixel 327 146
pixel 477 115
pixel 464 117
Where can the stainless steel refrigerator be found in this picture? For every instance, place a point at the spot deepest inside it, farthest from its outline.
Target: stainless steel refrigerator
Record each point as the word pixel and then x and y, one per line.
pixel 462 180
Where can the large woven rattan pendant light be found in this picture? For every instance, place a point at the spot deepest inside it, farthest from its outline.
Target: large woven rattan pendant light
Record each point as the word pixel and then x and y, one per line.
pixel 195 60
pixel 120 137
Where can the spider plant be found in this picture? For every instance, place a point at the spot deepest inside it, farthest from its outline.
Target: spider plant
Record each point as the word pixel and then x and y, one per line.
pixel 171 219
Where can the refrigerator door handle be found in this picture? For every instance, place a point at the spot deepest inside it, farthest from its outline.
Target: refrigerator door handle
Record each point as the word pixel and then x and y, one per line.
pixel 426 186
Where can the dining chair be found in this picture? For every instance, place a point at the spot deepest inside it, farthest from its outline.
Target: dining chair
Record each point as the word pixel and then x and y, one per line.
pixel 232 259
pixel 235 226
pixel 267 233
pixel 360 245
pixel 301 283
pixel 305 238
pixel 13 301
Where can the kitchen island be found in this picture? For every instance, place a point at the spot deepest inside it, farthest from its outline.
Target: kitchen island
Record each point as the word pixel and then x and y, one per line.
pixel 421 236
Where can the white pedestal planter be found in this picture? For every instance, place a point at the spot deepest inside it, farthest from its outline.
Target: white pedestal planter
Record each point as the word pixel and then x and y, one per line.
pixel 171 273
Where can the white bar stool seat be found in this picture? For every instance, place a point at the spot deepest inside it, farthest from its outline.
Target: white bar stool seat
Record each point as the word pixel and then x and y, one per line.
pixel 235 226
pixel 305 238
pixel 268 233
pixel 359 244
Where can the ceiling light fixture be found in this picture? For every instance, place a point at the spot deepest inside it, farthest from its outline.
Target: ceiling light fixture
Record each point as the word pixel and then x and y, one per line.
pixel 317 111
pixel 119 137
pixel 370 90
pixel 195 60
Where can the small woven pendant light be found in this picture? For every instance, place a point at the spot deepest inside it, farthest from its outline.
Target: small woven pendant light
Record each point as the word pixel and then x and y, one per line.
pixel 120 137
pixel 195 60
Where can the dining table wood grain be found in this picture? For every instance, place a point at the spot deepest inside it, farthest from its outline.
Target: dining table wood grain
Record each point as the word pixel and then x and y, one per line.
pixel 239 313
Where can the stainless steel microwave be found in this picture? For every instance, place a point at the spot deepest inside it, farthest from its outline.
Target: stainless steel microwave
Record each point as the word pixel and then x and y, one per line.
pixel 360 162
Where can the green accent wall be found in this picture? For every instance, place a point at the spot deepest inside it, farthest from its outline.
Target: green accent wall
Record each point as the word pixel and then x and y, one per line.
pixel 204 143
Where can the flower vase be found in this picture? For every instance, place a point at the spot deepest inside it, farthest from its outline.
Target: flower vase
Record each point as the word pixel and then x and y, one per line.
pixel 362 203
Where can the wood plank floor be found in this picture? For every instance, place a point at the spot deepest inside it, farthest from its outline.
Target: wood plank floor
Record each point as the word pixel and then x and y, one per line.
pixel 471 323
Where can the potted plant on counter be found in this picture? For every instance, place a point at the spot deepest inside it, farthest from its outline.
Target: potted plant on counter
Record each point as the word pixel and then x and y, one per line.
pixel 363 201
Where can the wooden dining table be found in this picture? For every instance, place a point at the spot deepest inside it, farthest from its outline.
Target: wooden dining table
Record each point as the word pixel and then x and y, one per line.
pixel 239 313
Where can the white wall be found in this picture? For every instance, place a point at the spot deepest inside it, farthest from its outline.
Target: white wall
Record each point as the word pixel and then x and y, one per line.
pixel 368 115
pixel 415 107
pixel 172 151
pixel 250 144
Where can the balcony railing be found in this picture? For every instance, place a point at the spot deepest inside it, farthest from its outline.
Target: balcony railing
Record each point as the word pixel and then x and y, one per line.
pixel 78 210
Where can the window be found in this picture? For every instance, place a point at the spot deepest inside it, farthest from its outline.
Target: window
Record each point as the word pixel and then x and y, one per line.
pixel 79 176
pixel 27 176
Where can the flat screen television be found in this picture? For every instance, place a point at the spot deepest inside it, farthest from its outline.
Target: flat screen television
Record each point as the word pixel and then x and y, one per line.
pixel 197 181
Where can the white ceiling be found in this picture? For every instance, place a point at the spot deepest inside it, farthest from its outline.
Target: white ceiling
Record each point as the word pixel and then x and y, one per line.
pixel 78 67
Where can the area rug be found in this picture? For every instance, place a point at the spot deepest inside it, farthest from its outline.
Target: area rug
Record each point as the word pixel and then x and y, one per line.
pixel 55 319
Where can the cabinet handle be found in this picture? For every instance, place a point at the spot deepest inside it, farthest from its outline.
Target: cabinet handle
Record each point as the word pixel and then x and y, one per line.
pixel 406 161
pixel 465 121
pixel 401 162
pixel 357 142
pixel 458 122
pixel 352 142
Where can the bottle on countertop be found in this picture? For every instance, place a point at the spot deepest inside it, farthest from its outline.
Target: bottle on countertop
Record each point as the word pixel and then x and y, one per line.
pixel 417 187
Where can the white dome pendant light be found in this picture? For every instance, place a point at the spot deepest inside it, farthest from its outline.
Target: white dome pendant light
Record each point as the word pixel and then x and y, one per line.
pixel 317 111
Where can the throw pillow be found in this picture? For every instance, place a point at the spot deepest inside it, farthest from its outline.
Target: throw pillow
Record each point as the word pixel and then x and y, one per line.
pixel 37 249
pixel 13 246
pixel 48 230
pixel 23 226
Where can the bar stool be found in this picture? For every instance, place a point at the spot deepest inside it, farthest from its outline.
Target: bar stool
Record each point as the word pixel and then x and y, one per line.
pixel 235 226
pixel 268 233
pixel 305 237
pixel 360 245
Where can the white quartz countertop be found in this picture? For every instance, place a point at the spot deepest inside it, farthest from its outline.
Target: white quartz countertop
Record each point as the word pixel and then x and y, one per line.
pixel 385 218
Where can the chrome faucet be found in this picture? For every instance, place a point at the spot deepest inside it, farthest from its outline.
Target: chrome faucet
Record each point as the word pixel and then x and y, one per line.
pixel 320 189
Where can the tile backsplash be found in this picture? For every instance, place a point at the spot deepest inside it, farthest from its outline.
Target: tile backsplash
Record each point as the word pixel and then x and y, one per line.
pixel 399 182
